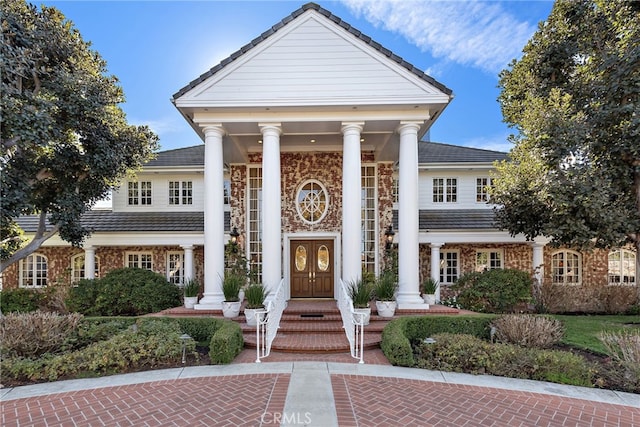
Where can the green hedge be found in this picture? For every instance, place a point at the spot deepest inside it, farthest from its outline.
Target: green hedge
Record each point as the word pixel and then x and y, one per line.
pixel 226 343
pixel 20 300
pixel 399 333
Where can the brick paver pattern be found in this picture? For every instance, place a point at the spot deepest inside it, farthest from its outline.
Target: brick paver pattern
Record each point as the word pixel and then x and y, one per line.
pixel 381 401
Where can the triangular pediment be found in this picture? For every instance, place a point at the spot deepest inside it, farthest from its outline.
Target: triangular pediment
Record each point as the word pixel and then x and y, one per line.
pixel 312 60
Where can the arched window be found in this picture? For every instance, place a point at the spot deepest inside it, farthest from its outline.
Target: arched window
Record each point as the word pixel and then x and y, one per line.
pixel 622 267
pixel 77 268
pixel 33 271
pixel 566 267
pixel 312 202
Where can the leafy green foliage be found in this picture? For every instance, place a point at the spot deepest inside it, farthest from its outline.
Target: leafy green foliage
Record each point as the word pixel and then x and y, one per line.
pixel 574 173
pixel 385 286
pixel 231 285
pixel 255 294
pixel 191 288
pixel 466 353
pixel 493 291
pixel 430 286
pixel 65 141
pixel 20 300
pixel 226 343
pixel 361 292
pixel 124 292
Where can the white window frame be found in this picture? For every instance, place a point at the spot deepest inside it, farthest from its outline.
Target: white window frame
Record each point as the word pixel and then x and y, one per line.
pixel 369 215
pixel 30 267
pixel 180 193
pixel 77 272
pixel 482 183
pixel 445 190
pixel 138 262
pixel 494 259
pixel 139 193
pixel 175 273
pixel 254 219
pixel 395 189
pixel 226 191
pixel 316 186
pixel 625 270
pixel 446 258
pixel 566 268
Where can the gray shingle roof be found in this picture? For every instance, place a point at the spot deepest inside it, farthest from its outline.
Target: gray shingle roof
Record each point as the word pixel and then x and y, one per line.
pixel 188 156
pixel 333 18
pixel 433 152
pixel 451 219
pixel 109 221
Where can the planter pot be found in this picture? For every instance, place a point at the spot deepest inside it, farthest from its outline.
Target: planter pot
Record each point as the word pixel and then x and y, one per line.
pixel 367 314
pixel 231 308
pixel 386 308
pixel 429 299
pixel 250 315
pixel 190 302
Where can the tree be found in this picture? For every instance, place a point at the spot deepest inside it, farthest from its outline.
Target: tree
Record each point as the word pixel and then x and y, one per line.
pixel 65 141
pixel 574 172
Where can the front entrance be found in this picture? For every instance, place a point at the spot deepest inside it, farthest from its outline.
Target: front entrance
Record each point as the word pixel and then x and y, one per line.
pixel 311 268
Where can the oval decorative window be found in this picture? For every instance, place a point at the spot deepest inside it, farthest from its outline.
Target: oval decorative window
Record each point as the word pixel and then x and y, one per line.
pixel 312 201
pixel 301 258
pixel 323 258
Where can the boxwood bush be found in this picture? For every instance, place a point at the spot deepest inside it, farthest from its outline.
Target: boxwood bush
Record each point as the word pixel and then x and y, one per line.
pixel 124 292
pixel 20 300
pixel 399 334
pixel 493 291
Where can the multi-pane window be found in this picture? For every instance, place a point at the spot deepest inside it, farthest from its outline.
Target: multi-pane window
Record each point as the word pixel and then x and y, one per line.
pixel 566 268
pixel 175 263
pixel 368 229
pixel 445 190
pixel 622 267
pixel 312 202
pixel 482 189
pixel 33 271
pixel 77 268
pixel 254 201
pixel 139 193
pixel 227 192
pixel 141 260
pixel 180 192
pixel 488 260
pixel 449 266
pixel 395 189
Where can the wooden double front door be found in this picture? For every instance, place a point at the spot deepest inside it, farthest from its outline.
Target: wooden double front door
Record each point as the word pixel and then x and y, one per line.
pixel 311 269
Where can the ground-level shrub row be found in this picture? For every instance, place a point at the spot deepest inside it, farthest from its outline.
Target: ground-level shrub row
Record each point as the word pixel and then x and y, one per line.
pixel 123 346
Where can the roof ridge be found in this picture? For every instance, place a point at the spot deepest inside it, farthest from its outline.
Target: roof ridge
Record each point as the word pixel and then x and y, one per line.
pixel 464 147
pixel 331 17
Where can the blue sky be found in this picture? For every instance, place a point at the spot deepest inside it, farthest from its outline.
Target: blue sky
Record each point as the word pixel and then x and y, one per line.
pixel 157 47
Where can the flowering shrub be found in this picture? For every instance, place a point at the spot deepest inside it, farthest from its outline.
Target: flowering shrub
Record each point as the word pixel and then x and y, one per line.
pixel 528 330
pixel 36 333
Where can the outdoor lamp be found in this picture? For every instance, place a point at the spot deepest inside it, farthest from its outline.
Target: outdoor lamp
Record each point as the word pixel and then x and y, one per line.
pixel 234 235
pixel 184 338
pixel 389 233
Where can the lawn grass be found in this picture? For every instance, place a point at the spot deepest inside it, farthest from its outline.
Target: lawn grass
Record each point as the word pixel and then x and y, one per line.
pixel 582 331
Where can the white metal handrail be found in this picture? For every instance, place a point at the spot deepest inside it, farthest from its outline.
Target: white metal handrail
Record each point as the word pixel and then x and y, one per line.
pixel 352 322
pixel 268 322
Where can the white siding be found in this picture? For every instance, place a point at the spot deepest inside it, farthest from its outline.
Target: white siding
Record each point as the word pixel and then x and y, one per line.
pixel 160 194
pixel 466 189
pixel 311 63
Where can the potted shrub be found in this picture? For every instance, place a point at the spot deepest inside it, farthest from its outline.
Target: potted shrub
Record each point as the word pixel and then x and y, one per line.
pixel 429 290
pixel 255 294
pixel 231 285
pixel 191 290
pixel 385 294
pixel 360 292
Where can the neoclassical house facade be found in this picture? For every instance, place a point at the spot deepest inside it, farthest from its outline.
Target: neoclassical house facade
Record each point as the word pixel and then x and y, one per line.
pixel 315 147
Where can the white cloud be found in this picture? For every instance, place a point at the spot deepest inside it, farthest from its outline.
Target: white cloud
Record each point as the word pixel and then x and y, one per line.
pixel 495 143
pixel 478 34
pixel 160 126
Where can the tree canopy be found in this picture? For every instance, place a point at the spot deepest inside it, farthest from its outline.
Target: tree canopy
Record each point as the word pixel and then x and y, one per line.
pixel 574 172
pixel 65 141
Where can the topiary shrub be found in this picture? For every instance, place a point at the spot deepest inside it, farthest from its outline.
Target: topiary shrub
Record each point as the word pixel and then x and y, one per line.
pixel 528 330
pixel 226 343
pixel 33 334
pixel 493 291
pixel 124 292
pixel 20 300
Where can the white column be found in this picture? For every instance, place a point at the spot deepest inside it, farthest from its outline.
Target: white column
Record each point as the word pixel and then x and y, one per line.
pixel 271 206
pixel 538 261
pixel 408 251
pixel 213 219
pixel 435 265
pixel 89 262
pixel 188 263
pixel 351 202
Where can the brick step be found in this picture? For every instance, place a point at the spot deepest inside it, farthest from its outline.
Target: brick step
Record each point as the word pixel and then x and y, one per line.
pixel 286 342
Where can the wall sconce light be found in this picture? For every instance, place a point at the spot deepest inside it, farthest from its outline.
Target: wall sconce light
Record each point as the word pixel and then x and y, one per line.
pixel 389 233
pixel 234 236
